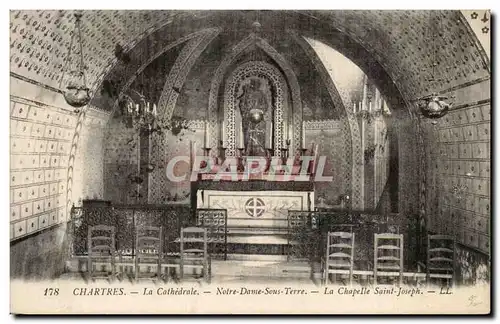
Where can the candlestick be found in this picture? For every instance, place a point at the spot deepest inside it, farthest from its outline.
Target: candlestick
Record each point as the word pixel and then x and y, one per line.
pixel 284 155
pixel 222 153
pixel 270 136
pixel 223 132
pixel 206 151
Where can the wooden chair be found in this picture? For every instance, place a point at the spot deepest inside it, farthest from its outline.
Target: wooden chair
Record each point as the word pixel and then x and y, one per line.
pixel 148 251
pixel 441 258
pixel 194 251
pixel 101 247
pixel 339 258
pixel 388 256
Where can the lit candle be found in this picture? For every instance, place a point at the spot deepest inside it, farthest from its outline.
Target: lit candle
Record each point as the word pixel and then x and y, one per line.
pixel 148 109
pixel 271 135
pixel 242 142
pixel 206 134
pixel 370 107
pixel 354 108
pixel 303 135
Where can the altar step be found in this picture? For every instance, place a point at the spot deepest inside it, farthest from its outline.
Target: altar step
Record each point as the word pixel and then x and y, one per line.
pixel 270 269
pixel 249 230
pixel 259 239
pixel 256 257
pixel 250 244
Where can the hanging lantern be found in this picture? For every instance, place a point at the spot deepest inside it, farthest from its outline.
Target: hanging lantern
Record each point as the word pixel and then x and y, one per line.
pixel 76 93
pixel 434 106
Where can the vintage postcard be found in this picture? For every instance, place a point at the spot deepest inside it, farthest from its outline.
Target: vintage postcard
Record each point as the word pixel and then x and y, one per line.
pixel 250 161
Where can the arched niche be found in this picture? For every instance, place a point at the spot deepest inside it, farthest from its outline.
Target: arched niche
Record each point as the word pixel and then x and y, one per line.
pixel 276 95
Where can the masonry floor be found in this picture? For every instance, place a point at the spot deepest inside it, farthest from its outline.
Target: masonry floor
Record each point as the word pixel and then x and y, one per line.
pixel 234 271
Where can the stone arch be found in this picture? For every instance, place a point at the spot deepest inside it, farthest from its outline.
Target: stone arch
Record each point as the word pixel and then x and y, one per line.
pixel 151 59
pixel 352 165
pixel 241 72
pixel 168 99
pixel 253 39
pixel 180 70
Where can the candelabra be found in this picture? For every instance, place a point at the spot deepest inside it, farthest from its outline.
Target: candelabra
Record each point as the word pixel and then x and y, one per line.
pixel 369 116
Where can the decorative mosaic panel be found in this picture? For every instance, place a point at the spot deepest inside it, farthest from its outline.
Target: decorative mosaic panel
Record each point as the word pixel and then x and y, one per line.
pixel 400 39
pixel 458 177
pixel 215 220
pixel 126 219
pixel 40 39
pixel 165 191
pixel 40 144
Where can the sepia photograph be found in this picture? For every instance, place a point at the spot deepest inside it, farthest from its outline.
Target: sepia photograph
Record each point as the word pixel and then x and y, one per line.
pixel 250 161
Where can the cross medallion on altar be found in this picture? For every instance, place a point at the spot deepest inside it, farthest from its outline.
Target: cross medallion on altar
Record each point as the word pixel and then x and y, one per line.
pixel 255 207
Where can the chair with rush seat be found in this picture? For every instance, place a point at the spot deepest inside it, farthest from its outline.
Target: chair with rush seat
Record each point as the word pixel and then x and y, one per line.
pixel 339 258
pixel 148 251
pixel 388 256
pixel 101 247
pixel 194 251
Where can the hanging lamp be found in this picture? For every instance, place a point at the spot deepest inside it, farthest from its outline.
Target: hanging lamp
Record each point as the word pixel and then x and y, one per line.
pixel 76 93
pixel 434 106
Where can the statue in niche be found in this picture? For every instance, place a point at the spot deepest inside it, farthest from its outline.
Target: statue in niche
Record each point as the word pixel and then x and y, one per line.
pixel 256 117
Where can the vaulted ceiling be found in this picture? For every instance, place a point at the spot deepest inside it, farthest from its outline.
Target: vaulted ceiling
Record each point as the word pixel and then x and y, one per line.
pixel 397 49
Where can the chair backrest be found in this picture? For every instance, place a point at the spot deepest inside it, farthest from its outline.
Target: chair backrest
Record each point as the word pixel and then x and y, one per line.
pixel 194 234
pixel 149 240
pixel 340 246
pixel 101 239
pixel 440 253
pixel 388 254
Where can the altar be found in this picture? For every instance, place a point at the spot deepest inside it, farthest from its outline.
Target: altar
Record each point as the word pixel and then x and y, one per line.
pixel 264 209
pixel 257 222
